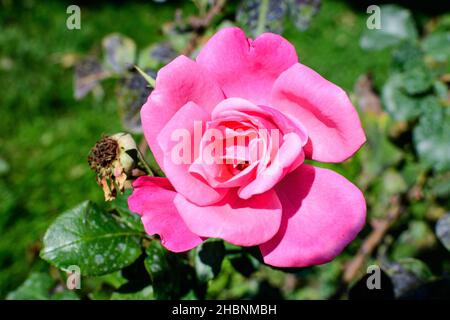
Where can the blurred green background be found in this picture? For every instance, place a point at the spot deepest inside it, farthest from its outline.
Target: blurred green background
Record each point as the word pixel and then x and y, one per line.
pixel 46 135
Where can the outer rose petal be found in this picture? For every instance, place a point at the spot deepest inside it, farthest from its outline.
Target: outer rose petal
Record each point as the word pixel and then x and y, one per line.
pixel 246 68
pixel 322 213
pixel 183 181
pixel 325 110
pixel 241 222
pixel 177 83
pixel 152 198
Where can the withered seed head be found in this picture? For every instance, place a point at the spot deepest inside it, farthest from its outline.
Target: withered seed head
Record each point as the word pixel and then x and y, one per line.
pixel 117 161
pixel 102 155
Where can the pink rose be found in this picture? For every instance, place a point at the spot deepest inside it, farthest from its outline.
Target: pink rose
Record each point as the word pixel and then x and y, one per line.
pixel 258 191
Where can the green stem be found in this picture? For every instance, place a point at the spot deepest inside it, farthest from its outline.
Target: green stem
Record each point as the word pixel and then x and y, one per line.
pixel 150 80
pixel 261 26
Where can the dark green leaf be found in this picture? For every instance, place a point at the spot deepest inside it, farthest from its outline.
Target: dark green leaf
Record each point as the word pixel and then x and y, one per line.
pixel 156 56
pixel 379 153
pixel 258 16
pixel 39 286
pixel 431 135
pixel 360 290
pixel 88 74
pixel 119 52
pixel 91 239
pixel 132 92
pixel 36 287
pixel 397 102
pixel 417 80
pixel 406 56
pixel 443 230
pixel 132 219
pixel 144 294
pixel 208 259
pixel 115 279
pixel 407 274
pixel 417 238
pixel 244 264
pixel 171 275
pixel 437 45
pixel 397 25
pixel 65 295
pixel 158 267
pixel 440 185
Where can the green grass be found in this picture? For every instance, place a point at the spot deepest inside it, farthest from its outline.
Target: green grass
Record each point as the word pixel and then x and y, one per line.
pixel 45 135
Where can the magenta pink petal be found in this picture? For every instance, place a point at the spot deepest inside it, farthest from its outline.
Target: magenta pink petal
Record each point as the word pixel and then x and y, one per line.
pixel 322 213
pixel 152 198
pixel 324 109
pixel 177 83
pixel 193 188
pixel 241 222
pixel 246 68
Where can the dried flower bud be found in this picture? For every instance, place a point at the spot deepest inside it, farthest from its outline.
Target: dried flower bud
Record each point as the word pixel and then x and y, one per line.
pixel 117 161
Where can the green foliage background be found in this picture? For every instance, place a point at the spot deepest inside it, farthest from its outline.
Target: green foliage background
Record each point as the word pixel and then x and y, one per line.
pixel 45 136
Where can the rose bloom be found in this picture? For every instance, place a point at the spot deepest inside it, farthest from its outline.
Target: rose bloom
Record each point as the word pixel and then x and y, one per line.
pixel 258 192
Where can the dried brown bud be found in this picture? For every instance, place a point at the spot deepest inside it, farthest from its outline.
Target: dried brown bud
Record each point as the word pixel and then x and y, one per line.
pixel 117 161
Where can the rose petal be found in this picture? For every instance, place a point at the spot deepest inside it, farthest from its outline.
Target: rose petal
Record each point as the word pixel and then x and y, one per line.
pixel 246 68
pixel 325 110
pixel 289 156
pixel 177 83
pixel 192 187
pixel 322 213
pixel 152 198
pixel 241 222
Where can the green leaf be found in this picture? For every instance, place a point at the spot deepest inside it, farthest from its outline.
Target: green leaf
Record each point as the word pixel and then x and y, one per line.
pixel 440 185
pixel 144 294
pixel 171 275
pixel 132 219
pixel 406 56
pixel 396 101
pixel 258 16
pixel 65 295
pixel 407 274
pixel 158 267
pixel 437 45
pixel 156 56
pixel 39 286
pixel 208 259
pixel 417 80
pixel 390 182
pixel 88 74
pixel 417 238
pixel 397 25
pixel 115 279
pixel 379 153
pixel 36 287
pixel 430 136
pixel 91 239
pixel 245 264
pixel 301 12
pixel 132 92
pixel 119 52
pixel 443 230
